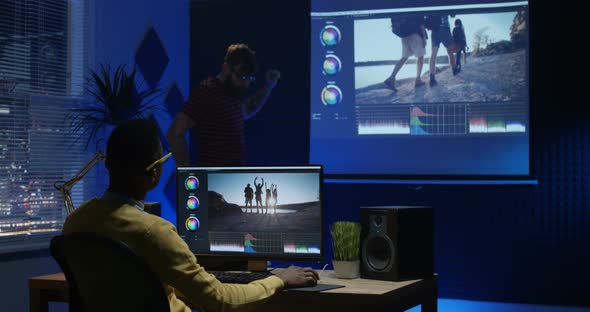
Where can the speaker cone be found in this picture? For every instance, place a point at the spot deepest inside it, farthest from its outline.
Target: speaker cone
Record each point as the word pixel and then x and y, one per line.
pixel 378 253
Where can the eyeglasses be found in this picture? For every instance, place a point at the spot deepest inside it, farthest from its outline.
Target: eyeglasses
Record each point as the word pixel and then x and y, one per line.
pixel 248 77
pixel 159 161
pixel 252 78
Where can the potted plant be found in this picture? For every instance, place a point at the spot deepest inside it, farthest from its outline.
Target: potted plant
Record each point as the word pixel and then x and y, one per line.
pixel 115 98
pixel 346 245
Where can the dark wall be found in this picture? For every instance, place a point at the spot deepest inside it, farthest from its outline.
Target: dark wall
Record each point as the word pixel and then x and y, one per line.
pixel 492 242
pixel 15 270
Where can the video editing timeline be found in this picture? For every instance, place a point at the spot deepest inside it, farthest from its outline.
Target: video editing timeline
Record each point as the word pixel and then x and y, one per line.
pixel 213 216
pixel 264 243
pixel 344 43
pixel 426 119
pixel 441 119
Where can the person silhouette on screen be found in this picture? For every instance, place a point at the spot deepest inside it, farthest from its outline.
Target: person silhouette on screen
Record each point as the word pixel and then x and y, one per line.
pixel 249 195
pixel 268 197
pixel 258 194
pixel 413 37
pixel 274 197
pixel 440 32
pixel 460 44
pixel 134 163
pixel 217 109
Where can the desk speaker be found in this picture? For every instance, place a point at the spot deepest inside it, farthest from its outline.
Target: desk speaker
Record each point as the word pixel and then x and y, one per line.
pixel 397 243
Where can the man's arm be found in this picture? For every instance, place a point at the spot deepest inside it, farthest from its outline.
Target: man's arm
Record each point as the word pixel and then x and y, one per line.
pixel 255 102
pixel 176 266
pixel 176 138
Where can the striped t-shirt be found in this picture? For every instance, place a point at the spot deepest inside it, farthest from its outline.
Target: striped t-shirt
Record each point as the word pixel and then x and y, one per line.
pixel 219 124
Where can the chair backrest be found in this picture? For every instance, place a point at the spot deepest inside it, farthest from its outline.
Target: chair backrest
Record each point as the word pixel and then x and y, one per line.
pixel 104 274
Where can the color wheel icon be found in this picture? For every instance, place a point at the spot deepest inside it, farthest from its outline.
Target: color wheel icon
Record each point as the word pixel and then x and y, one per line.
pixel 331 95
pixel 332 65
pixel 192 224
pixel 192 203
pixel 330 36
pixel 191 183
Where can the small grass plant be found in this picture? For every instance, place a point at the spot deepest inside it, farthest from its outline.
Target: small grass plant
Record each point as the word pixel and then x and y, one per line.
pixel 346 240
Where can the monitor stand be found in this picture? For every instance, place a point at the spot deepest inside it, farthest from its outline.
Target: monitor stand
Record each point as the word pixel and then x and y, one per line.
pixel 225 264
pixel 256 265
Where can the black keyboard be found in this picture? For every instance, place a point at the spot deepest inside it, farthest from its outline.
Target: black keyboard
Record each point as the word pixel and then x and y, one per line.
pixel 240 277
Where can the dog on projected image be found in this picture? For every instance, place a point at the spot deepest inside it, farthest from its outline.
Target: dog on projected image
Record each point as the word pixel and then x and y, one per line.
pixel 230 207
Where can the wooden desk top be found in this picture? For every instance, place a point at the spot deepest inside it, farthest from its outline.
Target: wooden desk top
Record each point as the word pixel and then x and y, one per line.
pixel 57 281
pixel 361 286
pixel 357 295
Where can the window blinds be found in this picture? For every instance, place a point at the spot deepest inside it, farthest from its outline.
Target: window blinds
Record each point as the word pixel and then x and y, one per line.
pixel 42 61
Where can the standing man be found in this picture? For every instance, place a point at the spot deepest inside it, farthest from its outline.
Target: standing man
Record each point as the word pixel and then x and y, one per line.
pixel 217 109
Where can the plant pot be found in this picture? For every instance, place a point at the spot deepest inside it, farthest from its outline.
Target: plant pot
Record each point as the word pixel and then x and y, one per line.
pixel 346 269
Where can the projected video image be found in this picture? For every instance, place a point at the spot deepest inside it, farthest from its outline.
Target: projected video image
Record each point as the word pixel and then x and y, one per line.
pixel 264 202
pixel 421 88
pixel 441 58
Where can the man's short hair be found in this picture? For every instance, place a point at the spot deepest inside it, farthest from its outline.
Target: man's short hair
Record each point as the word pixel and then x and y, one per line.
pixel 133 146
pixel 239 54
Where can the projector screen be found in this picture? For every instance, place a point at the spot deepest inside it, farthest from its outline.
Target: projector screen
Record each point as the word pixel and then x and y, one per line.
pixel 465 121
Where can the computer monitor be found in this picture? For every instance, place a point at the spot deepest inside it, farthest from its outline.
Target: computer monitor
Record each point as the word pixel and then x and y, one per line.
pixel 252 213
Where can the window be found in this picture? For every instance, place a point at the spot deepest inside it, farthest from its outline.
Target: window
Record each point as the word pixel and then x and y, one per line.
pixel 42 61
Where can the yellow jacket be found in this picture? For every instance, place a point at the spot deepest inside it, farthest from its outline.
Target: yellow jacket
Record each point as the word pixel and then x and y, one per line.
pixel 157 241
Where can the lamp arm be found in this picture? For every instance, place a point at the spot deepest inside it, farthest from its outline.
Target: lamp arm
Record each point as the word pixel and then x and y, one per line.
pixel 66 187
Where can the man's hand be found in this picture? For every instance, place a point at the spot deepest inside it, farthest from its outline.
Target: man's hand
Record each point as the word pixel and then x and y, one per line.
pixel 295 276
pixel 255 102
pixel 272 77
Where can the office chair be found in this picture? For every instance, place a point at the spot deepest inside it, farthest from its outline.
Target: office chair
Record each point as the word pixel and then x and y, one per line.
pixel 104 274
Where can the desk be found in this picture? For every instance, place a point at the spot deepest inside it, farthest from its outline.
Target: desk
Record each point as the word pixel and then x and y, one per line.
pixel 358 295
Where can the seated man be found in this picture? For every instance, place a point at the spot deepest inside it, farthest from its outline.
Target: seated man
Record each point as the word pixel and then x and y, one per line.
pixel 134 161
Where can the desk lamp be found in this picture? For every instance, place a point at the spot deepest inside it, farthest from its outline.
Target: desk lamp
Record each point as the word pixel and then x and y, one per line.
pixel 66 187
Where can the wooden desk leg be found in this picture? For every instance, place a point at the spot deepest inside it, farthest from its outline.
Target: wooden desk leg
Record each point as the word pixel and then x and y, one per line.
pixel 37 302
pixel 430 306
pixel 430 303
